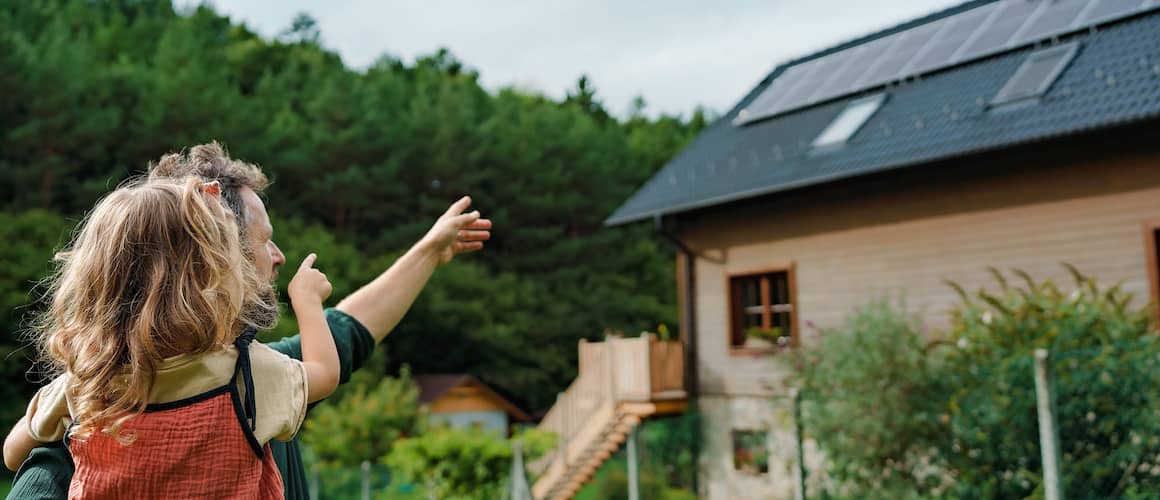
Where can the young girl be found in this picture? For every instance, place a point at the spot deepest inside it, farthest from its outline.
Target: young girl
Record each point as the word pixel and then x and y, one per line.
pixel 163 394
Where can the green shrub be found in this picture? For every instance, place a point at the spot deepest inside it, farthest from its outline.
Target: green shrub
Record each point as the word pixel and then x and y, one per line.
pixel 1107 389
pixel 872 399
pixel 462 463
pixel 898 416
pixel 365 422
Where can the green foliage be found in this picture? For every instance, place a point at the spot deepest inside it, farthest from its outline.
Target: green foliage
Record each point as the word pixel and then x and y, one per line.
pixel 29 241
pixel 872 399
pixel 365 422
pixel 614 485
pixel 461 463
pixel 1107 390
pixel 611 483
pixel 668 447
pixel 898 417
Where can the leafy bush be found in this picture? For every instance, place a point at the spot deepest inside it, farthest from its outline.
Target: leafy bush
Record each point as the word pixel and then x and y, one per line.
pixel 614 485
pixel 461 463
pixel 667 447
pixel 1107 389
pixel 365 422
pixel 898 416
pixel 872 399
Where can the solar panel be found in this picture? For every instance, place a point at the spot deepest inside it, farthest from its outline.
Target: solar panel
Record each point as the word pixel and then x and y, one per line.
pixel 1002 28
pixel 799 84
pixel 1103 10
pixel 799 94
pixel 1036 74
pixel 941 51
pixel 847 78
pixel 828 70
pixel 776 93
pixel 906 45
pixel 1054 18
pixel 978 32
pixel 798 87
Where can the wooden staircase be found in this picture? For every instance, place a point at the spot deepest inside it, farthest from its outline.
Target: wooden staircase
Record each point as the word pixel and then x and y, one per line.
pixel 621 382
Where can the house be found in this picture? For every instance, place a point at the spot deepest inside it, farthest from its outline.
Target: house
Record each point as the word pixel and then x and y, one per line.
pixel 463 401
pixel 1010 133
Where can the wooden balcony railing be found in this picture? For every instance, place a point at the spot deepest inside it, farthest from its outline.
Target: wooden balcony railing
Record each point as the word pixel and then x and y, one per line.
pixel 612 373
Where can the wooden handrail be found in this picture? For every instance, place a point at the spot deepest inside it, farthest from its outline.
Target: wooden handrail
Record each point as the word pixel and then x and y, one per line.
pixel 618 370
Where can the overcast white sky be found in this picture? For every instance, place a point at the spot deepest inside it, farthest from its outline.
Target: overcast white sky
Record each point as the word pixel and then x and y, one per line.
pixel 677 54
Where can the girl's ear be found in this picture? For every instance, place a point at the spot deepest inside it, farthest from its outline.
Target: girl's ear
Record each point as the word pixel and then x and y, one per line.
pixel 212 188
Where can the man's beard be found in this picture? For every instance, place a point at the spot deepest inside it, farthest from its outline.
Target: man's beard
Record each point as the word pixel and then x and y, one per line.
pixel 263 313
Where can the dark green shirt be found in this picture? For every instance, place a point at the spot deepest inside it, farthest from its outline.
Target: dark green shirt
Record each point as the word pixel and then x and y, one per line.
pixel 46 474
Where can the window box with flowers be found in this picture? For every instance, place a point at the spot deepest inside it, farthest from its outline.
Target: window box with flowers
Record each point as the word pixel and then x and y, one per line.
pixel 763 317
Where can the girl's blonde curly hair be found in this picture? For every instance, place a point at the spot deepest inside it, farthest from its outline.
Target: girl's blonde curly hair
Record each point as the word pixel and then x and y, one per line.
pixel 155 270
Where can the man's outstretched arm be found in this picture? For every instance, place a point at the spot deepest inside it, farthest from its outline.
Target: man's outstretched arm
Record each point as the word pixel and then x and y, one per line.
pixel 381 304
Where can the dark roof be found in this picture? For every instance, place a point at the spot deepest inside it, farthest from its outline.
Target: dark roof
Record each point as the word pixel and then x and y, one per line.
pixel 1113 80
pixel 431 387
pixel 434 386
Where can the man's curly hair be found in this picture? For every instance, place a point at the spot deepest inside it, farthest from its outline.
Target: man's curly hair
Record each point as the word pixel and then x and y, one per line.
pixel 211 163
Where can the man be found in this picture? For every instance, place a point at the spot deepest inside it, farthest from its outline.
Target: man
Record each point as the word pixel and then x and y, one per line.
pixel 358 322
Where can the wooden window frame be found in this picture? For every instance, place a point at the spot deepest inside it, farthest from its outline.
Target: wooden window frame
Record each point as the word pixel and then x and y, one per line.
pixel 791 276
pixel 1150 227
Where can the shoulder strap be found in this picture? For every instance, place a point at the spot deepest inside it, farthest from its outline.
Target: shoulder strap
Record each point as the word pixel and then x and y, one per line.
pixel 246 406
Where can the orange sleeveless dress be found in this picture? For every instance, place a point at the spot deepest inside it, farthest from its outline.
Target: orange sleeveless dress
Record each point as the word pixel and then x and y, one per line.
pixel 199 447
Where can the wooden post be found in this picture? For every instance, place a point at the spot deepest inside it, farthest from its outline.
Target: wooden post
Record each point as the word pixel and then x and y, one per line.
pixel 633 475
pixel 1048 433
pixel 366 480
pixel 610 366
pixel 799 470
pixel 562 438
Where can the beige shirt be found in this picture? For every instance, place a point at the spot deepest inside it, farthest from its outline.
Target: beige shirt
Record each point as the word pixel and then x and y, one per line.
pixel 279 391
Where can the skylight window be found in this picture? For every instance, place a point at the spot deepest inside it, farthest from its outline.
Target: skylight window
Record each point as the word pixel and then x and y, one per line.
pixel 856 114
pixel 1036 74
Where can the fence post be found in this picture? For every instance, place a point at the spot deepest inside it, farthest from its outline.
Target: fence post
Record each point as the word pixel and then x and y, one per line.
pixel 1048 433
pixel 799 470
pixel 366 480
pixel 517 479
pixel 633 475
pixel 315 477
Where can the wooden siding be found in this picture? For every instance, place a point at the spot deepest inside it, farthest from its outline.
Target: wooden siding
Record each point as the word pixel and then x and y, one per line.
pixel 903 243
